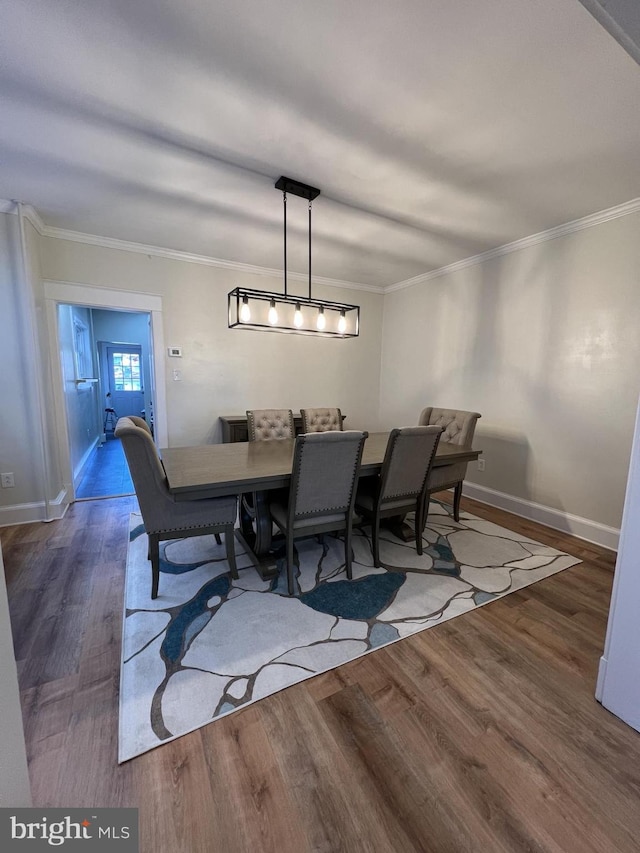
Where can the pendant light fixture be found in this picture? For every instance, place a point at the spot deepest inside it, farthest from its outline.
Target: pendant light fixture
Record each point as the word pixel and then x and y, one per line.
pixel 282 312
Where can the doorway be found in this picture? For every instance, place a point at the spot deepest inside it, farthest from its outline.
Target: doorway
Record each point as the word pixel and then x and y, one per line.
pixel 121 348
pixel 95 308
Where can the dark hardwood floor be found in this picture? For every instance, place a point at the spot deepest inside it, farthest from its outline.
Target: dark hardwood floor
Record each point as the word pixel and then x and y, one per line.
pixel 481 734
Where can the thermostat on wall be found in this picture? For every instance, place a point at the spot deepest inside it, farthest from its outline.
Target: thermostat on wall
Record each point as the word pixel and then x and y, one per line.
pixel 175 351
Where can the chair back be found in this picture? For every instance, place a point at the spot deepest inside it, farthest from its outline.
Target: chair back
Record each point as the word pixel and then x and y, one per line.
pixel 407 462
pixel 326 466
pixel 137 421
pixel 321 420
pixel 269 424
pixel 147 473
pixel 458 425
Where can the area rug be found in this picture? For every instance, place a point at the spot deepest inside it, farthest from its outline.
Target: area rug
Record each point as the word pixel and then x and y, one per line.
pixel 210 645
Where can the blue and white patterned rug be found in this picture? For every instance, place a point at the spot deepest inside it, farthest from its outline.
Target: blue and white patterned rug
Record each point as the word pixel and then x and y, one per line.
pixel 209 645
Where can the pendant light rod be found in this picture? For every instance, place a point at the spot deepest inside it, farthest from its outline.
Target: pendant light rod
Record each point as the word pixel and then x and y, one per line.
pixel 290 185
pixel 284 202
pixel 310 203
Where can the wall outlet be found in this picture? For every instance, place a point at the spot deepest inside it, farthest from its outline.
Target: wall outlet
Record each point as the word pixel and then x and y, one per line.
pixel 481 464
pixel 7 481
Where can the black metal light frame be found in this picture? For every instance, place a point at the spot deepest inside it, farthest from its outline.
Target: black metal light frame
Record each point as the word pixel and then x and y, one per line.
pixel 332 310
pixel 340 319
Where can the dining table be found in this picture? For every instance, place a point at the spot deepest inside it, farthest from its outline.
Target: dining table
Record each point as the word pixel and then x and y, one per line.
pixel 252 469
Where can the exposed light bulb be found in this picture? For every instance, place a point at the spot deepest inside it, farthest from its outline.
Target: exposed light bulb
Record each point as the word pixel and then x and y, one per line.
pixel 321 322
pixel 297 317
pixel 245 311
pixel 273 314
pixel 342 323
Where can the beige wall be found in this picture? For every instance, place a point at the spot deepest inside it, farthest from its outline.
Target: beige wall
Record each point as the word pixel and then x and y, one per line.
pixel 20 433
pixel 544 343
pixel 14 778
pixel 228 371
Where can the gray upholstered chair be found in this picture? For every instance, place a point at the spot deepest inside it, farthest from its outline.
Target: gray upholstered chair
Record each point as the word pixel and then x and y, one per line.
pixel 459 427
pixel 402 483
pixel 325 472
pixel 164 517
pixel 140 422
pixel 321 420
pixel 268 424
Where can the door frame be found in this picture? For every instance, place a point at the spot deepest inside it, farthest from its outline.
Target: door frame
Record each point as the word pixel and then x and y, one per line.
pixel 72 293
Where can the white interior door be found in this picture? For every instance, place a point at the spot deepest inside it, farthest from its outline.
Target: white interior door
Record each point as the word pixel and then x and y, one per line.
pixel 124 373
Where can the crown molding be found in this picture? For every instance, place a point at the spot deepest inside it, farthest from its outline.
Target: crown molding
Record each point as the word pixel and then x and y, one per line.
pixel 30 213
pixel 629 207
pixel 598 218
pixel 188 257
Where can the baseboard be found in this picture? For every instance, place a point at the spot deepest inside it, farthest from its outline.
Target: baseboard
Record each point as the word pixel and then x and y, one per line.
pixel 30 512
pixel 583 528
pixel 77 474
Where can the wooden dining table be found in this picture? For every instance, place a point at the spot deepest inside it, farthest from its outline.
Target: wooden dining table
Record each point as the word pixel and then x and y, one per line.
pixel 253 469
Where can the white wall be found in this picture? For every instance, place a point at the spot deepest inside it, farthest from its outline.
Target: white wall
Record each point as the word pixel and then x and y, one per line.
pixel 19 416
pixel 80 399
pixel 544 343
pixel 227 371
pixel 618 679
pixel 14 778
pixel 126 327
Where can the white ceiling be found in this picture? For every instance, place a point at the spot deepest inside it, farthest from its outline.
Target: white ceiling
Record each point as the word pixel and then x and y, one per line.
pixel 435 130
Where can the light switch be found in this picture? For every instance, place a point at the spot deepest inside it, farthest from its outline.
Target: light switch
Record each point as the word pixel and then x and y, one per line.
pixel 177 375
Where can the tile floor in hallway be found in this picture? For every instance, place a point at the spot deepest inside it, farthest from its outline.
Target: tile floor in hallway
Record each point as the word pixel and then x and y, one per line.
pixel 106 473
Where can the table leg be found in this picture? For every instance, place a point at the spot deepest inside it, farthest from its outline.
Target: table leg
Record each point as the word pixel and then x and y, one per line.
pixel 255 533
pixel 399 528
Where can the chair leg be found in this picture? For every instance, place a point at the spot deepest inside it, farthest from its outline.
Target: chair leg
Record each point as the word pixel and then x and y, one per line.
pixel 347 552
pixel 419 524
pixel 425 510
pixel 218 539
pixel 154 556
pixel 290 562
pixel 229 541
pixel 375 539
pixel 457 494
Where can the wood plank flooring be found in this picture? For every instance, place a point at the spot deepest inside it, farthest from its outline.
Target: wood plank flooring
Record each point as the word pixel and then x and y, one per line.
pixel 481 734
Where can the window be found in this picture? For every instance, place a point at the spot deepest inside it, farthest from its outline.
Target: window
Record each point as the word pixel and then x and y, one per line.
pixel 81 344
pixel 126 371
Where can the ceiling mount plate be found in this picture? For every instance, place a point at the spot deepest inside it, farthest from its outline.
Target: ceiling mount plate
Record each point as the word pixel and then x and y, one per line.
pixel 289 185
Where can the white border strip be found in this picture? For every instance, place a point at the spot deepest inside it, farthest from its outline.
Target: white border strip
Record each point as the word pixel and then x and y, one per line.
pixel 30 512
pixel 77 474
pixel 188 257
pixel 95 296
pixel 44 230
pixel 625 209
pixel 583 528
